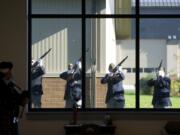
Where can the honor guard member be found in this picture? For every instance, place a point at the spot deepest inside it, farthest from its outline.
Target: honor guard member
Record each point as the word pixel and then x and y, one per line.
pixel 115 92
pixel 36 84
pixel 11 99
pixel 73 85
pixel 68 76
pixel 161 94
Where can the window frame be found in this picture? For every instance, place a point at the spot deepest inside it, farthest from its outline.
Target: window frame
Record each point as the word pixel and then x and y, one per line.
pixel 83 16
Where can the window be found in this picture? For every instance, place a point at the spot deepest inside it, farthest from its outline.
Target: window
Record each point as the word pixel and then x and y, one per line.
pixel 94 35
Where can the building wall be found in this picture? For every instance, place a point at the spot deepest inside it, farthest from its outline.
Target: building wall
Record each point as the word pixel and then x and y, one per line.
pixel 53 93
pixel 13 31
pixel 173 59
pixel 54 88
pixel 95 7
pixel 63 36
pixel 56 7
pixel 160 10
pixel 151 52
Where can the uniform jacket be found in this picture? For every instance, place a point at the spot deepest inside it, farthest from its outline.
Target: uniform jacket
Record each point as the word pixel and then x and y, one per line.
pixel 115 87
pixel 68 87
pixel 36 82
pixel 161 94
pixel 73 86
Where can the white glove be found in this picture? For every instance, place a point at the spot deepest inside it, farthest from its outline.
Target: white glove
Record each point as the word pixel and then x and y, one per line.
pixel 119 69
pixel 110 74
pixel 79 65
pixel 161 73
pixel 79 103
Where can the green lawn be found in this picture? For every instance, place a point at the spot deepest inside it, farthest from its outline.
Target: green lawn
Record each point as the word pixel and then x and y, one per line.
pixel 130 101
pixel 145 101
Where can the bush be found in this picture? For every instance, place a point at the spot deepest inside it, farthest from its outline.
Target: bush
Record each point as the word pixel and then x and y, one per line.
pixel 145 89
pixel 175 87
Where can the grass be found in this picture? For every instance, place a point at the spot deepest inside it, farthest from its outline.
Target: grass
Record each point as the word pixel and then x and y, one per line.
pixel 145 101
pixel 130 101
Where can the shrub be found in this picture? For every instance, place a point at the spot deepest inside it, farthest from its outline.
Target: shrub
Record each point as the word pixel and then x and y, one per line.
pixel 175 87
pixel 145 89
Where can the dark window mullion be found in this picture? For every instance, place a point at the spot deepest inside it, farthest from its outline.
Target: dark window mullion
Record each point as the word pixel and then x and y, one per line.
pixel 137 55
pixel 56 16
pixel 83 17
pixel 29 32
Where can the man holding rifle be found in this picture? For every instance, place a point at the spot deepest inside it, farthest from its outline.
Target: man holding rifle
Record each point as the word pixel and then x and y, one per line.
pixel 115 93
pixel 162 84
pixel 73 92
pixel 68 76
pixel 37 71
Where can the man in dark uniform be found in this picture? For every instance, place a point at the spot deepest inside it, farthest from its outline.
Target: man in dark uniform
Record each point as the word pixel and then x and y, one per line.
pixel 67 75
pixel 161 94
pixel 115 93
pixel 36 84
pixel 11 98
pixel 72 94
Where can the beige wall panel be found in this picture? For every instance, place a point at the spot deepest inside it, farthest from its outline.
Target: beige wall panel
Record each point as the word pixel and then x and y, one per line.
pixel 63 36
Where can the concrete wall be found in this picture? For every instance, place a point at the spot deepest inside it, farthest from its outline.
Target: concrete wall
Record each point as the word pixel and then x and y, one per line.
pixel 14 48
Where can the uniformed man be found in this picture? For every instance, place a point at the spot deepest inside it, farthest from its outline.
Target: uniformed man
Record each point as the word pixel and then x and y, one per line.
pixel 161 94
pixel 11 100
pixel 73 94
pixel 36 84
pixel 68 76
pixel 115 93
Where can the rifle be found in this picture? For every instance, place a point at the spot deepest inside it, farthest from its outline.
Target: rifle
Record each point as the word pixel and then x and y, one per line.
pixel 37 62
pixel 159 67
pixel 119 64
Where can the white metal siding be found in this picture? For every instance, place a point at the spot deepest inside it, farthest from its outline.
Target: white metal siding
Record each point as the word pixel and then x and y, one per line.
pixel 63 36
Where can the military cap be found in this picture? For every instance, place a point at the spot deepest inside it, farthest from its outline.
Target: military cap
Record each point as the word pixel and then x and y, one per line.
pixel 5 67
pixel 111 66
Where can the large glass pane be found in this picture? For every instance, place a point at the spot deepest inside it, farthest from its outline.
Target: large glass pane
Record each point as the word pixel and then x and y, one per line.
pixel 160 42
pixel 110 6
pixel 159 6
pixel 56 6
pixel 108 42
pixel 63 37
